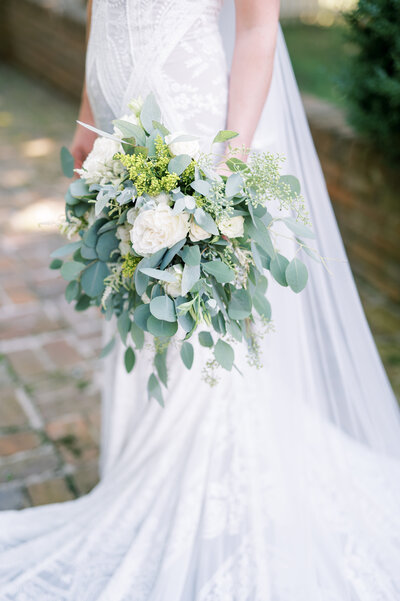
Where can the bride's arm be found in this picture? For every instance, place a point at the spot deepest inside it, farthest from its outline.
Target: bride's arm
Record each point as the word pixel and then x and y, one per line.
pixel 253 58
pixel 82 142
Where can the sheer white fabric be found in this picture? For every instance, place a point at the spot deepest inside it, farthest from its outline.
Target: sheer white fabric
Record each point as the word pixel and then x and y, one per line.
pixel 281 485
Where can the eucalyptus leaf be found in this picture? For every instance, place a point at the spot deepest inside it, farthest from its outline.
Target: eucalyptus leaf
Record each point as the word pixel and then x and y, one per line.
pixel 296 275
pixel 91 235
pixel 107 227
pixel 154 390
pixel 137 335
pixel 187 354
pixel 71 269
pixel 141 314
pixel 170 254
pixel 163 307
pixel 235 165
pixel 234 185
pixel 222 272
pixel 201 186
pixel 240 304
pixel 206 339
pixel 56 264
pixel 179 163
pixel 234 330
pixel 124 325
pixel 100 132
pixel 161 128
pixel 190 276
pixel 258 232
pixel 129 359
pixel 191 255
pixel 67 162
pixel 262 305
pixel 278 268
pixel 159 274
pixel 150 112
pixel 130 130
pixel 224 354
pixel 106 243
pixel 205 221
pixel 72 291
pixel 256 256
pixel 71 200
pixel 160 363
pixel 79 189
pixel 83 303
pixel 88 253
pixel 298 228
pixel 160 328
pixel 223 135
pixel 92 279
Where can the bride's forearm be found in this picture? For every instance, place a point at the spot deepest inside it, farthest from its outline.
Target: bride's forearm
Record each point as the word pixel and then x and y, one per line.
pixel 252 66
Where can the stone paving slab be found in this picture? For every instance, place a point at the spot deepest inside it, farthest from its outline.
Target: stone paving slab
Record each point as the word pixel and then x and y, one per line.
pixel 49 368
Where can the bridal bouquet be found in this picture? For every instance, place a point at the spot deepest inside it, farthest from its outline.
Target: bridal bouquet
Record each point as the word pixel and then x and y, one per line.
pixel 169 246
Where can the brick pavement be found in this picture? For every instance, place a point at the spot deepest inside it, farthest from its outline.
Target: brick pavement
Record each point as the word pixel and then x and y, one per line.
pixel 49 389
pixel 49 381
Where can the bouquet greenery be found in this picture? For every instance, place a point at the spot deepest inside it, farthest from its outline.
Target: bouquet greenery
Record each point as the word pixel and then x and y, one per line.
pixel 168 244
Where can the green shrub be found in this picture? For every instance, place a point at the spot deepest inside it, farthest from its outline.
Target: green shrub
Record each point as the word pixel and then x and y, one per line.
pixel 371 81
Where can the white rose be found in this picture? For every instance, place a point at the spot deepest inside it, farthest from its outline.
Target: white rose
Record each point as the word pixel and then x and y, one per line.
pixel 196 232
pixel 190 147
pixel 100 166
pixel 123 234
pixel 131 119
pixel 136 105
pixel 158 228
pixel 175 289
pixel 232 227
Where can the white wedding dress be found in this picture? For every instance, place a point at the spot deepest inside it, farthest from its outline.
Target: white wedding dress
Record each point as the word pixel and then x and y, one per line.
pixel 279 485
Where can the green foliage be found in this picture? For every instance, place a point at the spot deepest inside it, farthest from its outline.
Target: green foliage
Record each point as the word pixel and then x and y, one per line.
pixel 371 80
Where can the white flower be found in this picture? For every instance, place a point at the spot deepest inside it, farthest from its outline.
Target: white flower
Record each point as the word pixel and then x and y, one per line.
pixel 100 166
pixel 158 228
pixel 175 289
pixel 123 233
pixel 190 147
pixel 136 105
pixel 131 119
pixel 132 214
pixel 232 227
pixel 196 232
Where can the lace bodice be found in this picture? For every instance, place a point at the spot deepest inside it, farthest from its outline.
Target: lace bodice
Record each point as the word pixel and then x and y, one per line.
pixel 171 47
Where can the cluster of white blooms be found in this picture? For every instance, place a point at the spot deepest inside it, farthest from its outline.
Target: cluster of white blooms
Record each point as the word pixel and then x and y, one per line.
pixel 100 167
pixel 158 228
pixel 233 227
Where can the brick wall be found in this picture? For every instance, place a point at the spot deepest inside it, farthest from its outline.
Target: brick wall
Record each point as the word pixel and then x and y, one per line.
pixel 365 194
pixel 364 191
pixel 44 43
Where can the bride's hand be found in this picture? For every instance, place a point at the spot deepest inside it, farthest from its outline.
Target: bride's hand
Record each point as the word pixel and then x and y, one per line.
pixel 238 154
pixel 82 144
